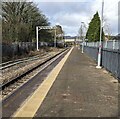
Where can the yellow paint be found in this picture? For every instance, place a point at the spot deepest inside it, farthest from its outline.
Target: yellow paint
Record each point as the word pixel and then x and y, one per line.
pixel 31 106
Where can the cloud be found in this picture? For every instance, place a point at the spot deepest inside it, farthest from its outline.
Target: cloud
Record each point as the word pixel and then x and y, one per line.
pixel 70 14
pixel 110 13
pixel 119 17
pixel 70 22
pixel 53 8
pixel 69 19
pixel 61 1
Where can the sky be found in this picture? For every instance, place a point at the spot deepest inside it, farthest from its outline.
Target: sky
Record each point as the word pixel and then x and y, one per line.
pixel 70 14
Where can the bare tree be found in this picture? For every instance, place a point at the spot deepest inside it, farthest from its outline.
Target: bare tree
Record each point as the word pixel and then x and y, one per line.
pixel 107 28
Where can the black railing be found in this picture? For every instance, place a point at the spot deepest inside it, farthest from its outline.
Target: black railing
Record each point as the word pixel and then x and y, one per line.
pixel 110 59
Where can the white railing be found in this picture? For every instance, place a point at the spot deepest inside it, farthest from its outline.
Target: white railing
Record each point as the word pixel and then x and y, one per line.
pixel 111 44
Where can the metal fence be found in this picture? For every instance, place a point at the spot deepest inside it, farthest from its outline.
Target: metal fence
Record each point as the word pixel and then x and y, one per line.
pixel 17 48
pixel 111 44
pixel 110 55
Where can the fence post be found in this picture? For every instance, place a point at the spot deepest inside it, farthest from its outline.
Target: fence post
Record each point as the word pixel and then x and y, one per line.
pixel 113 44
pixel 106 43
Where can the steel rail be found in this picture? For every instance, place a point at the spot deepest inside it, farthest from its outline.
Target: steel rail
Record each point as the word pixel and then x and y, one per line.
pixel 44 64
pixel 3 86
pixel 15 62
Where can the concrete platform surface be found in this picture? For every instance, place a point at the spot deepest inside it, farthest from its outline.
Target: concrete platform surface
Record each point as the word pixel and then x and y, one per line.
pixel 81 90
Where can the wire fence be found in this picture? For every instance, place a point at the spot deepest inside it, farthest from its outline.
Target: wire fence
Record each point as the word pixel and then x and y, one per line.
pixel 110 55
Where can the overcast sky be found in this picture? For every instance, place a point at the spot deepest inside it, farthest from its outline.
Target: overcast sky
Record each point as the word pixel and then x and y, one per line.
pixel 70 14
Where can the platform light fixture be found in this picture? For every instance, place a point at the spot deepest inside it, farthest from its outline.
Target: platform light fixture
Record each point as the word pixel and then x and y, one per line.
pixel 100 42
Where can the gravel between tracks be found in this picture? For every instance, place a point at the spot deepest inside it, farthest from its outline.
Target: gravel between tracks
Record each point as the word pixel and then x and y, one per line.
pixel 14 71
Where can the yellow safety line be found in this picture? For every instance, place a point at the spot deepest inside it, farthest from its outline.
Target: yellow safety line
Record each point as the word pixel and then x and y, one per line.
pixel 34 102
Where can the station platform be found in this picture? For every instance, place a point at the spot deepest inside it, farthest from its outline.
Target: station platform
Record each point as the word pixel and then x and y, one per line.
pixel 75 88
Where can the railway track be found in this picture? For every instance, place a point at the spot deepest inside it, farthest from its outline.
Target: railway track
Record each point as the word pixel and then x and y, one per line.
pixel 19 61
pixel 8 88
pixel 15 69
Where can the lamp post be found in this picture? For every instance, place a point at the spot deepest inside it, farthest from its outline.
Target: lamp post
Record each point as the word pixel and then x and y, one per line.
pixel 100 42
pixel 82 37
